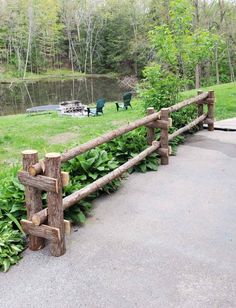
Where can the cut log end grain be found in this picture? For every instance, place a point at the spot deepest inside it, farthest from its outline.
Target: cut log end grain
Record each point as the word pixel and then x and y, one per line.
pixel 29 152
pixel 52 155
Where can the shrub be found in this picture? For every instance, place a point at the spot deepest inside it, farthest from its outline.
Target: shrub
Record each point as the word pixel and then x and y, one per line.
pixel 11 245
pixel 161 89
pixel 96 163
pixel 128 146
pixel 12 196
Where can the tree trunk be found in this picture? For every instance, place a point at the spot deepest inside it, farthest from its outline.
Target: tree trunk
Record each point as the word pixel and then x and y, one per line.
pixel 217 66
pixel 198 76
pixel 231 68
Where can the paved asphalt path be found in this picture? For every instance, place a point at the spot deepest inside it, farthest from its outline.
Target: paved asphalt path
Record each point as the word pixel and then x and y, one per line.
pixel 165 239
pixel 228 124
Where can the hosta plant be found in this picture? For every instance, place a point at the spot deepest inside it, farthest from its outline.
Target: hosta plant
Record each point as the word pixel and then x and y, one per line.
pixel 11 245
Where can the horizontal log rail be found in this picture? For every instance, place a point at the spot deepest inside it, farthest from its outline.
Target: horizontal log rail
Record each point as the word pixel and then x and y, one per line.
pixel 48 223
pixel 75 197
pixel 198 99
pixel 187 127
pixel 68 155
pixel 41 182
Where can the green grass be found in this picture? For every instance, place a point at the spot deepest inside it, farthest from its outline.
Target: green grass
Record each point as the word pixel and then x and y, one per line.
pixel 225 99
pixel 50 132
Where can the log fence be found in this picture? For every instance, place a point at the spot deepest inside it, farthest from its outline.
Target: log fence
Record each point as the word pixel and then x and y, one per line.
pixel 46 175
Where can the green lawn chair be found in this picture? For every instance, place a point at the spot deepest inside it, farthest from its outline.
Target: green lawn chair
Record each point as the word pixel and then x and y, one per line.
pixel 126 102
pixel 95 111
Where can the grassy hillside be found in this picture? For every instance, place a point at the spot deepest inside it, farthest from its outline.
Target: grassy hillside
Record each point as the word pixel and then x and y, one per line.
pixel 225 99
pixel 50 132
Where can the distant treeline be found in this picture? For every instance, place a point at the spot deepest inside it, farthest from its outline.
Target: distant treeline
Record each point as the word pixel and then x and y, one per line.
pixel 114 36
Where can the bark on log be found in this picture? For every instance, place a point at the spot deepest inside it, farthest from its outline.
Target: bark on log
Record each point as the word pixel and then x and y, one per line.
pixel 163 152
pixel 41 182
pixel 37 168
pixel 75 197
pixel 42 231
pixel 150 130
pixel 67 225
pixel 84 192
pixel 159 124
pixel 187 127
pixel 65 177
pixel 164 137
pixel 208 121
pixel 40 217
pixel 187 102
pixel 33 198
pixel 200 111
pixel 54 202
pixel 210 104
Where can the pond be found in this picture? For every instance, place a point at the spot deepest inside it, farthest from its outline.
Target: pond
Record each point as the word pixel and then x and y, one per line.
pixel 17 97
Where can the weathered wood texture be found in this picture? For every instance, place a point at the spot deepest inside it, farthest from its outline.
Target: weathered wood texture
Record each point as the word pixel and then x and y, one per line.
pixel 210 114
pixel 65 177
pixel 160 124
pixel 42 231
pixel 67 225
pixel 164 137
pixel 75 197
pixel 41 182
pixel 187 127
pixel 84 192
pixel 33 198
pixel 208 121
pixel 150 130
pixel 54 203
pixel 200 111
pixel 40 217
pixel 187 102
pixel 37 168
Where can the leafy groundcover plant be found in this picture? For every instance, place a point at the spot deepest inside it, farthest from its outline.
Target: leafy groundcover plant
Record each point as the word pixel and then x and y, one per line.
pixel 11 245
pixel 83 170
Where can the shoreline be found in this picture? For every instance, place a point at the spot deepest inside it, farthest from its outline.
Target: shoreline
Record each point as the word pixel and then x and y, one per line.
pixel 56 76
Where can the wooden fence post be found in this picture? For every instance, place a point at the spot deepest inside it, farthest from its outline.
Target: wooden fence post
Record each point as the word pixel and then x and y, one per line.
pixel 164 150
pixel 54 202
pixel 210 114
pixel 200 107
pixel 33 198
pixel 150 130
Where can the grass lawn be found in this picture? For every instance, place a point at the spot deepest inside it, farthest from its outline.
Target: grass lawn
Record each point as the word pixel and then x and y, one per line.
pixel 225 99
pixel 50 132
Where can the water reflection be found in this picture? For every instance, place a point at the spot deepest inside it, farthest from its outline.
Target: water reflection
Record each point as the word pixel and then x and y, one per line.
pixel 16 98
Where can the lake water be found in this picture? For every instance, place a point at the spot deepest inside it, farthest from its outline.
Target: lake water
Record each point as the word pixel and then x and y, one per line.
pixel 17 97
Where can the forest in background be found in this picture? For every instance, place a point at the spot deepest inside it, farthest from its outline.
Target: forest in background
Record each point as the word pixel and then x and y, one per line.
pixel 194 39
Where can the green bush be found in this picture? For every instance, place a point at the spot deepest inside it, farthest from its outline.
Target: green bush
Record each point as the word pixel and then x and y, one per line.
pixel 96 163
pixel 128 146
pixel 11 245
pixel 160 89
pixel 12 197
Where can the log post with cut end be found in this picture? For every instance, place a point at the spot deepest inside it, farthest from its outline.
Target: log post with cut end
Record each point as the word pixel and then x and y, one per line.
pixel 164 138
pixel 200 110
pixel 210 114
pixel 150 130
pixel 33 198
pixel 54 202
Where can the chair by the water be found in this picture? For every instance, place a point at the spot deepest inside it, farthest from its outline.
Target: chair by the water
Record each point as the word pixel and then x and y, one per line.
pixel 95 111
pixel 126 102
